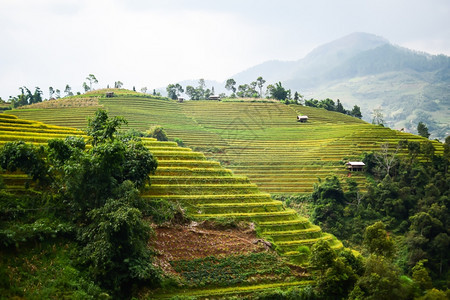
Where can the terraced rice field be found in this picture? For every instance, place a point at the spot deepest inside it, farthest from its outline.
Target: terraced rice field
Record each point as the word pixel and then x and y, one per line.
pixel 203 186
pixel 262 141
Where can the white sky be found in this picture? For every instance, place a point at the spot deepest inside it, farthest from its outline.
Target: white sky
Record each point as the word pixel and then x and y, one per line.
pixel 152 43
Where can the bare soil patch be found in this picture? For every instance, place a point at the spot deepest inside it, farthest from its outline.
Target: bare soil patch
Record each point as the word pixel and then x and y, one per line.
pixel 201 240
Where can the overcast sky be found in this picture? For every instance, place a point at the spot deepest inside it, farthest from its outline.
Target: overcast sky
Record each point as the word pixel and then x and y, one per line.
pixel 152 43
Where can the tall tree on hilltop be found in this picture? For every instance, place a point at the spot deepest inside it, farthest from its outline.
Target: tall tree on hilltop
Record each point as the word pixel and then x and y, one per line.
pixel 68 90
pixel 422 129
pixel 37 96
pixel 86 87
pixel 356 112
pixel 91 78
pixel 51 91
pixel 118 84
pixel 278 92
pixel 260 82
pixel 174 91
pixel 230 85
pixel 378 117
pixel 339 107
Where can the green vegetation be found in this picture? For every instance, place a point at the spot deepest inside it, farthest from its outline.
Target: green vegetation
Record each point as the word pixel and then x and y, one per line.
pixel 93 196
pixel 405 186
pixel 260 140
pixel 204 187
pixel 232 270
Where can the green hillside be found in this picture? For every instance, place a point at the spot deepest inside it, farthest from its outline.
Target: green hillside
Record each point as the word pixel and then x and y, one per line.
pixel 260 140
pixel 208 191
pixel 240 153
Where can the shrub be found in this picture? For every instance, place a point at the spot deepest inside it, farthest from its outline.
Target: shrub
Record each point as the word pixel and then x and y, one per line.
pixel 158 133
pixel 179 142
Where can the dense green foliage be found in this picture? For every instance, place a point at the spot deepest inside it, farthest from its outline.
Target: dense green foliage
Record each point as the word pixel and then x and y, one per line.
pixel 342 208
pixel 158 133
pixel 329 104
pixel 94 200
pixel 26 97
pixel 242 269
pixel 410 195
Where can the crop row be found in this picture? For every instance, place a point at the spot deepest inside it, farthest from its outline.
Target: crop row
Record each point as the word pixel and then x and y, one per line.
pixel 212 192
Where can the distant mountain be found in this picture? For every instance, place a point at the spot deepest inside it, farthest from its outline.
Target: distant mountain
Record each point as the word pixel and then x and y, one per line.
pixel 369 71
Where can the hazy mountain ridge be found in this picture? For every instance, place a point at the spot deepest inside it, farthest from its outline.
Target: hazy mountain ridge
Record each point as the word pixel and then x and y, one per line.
pixel 369 71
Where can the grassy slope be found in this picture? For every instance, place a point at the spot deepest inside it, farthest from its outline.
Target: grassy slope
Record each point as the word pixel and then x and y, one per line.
pixel 260 140
pixel 204 187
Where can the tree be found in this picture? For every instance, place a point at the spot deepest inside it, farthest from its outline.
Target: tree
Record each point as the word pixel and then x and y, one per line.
pixel 58 93
pixel 230 85
pixel 298 97
pixel 422 129
pixel 158 133
pixel 118 84
pixel 328 104
pixel 102 128
pixel 337 276
pixel 192 93
pixel 242 90
pixel 91 78
pixel 115 244
pixel 381 280
pixel 421 276
pixel 68 90
pixel 278 92
pixel 260 82
pixel 435 294
pixel 312 102
pixel 329 203
pixel 377 241
pixel 37 96
pixel 144 90
pixel 377 117
pixel 339 107
pixel 322 256
pixel 98 189
pixel 25 157
pixel 21 98
pixel 174 91
pixel 386 159
pixel 356 112
pixel 201 84
pixel 86 87
pixel 51 92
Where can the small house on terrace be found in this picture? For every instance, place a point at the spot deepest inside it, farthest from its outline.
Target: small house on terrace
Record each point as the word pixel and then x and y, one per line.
pixel 355 166
pixel 214 97
pixel 302 119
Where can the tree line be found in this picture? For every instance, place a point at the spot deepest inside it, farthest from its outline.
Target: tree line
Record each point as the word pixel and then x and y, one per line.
pixel 255 90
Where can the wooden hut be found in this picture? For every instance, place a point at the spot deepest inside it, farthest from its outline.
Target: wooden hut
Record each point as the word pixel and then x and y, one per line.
pixel 214 97
pixel 302 119
pixel 109 94
pixel 355 166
